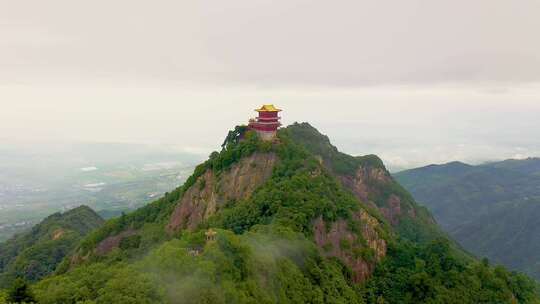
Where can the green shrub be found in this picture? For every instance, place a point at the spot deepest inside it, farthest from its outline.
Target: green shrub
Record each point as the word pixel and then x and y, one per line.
pixel 130 242
pixel 20 292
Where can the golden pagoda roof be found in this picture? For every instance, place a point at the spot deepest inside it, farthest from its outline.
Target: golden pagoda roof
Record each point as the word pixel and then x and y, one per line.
pixel 210 232
pixel 268 108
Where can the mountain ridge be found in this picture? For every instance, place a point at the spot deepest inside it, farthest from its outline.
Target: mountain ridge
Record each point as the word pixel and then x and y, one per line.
pixel 369 180
pixel 36 253
pixel 291 220
pixel 491 209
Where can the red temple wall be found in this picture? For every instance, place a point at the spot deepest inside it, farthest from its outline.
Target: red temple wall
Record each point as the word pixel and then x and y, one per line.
pixel 273 127
pixel 268 114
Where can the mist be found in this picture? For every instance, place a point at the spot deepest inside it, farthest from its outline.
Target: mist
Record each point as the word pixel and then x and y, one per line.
pixel 414 82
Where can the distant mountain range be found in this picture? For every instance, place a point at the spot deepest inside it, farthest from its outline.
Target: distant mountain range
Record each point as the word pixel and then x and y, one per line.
pixel 493 209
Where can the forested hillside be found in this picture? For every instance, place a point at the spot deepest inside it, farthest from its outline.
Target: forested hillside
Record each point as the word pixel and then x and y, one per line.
pixel 493 210
pixel 287 221
pixel 34 254
pixel 367 178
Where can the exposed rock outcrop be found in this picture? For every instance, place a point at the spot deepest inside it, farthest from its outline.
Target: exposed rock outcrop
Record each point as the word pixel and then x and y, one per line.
pixel 393 209
pixel 57 234
pixel 212 191
pixel 367 183
pixel 359 250
pixel 113 242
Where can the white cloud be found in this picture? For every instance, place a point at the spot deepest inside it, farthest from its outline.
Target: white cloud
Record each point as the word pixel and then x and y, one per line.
pixel 396 78
pixel 265 42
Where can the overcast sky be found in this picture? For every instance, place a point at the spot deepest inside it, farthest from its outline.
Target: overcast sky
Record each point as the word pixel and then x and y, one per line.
pixel 415 82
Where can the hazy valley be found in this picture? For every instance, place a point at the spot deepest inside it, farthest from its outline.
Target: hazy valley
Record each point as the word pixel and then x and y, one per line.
pixel 492 210
pixel 38 180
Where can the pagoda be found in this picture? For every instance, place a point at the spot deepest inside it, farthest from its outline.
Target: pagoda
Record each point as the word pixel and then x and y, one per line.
pixel 267 123
pixel 210 235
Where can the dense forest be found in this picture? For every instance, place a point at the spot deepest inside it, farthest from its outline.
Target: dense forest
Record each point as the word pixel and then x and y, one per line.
pixel 492 209
pixel 311 231
pixel 36 253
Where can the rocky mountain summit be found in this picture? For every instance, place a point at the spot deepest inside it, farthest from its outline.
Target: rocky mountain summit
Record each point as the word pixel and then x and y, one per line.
pixel 285 218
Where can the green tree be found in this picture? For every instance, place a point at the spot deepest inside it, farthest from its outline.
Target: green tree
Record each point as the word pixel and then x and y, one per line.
pixel 3 297
pixel 20 292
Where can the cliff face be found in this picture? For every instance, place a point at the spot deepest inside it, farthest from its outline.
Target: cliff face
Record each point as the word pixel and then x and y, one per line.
pixel 112 242
pixel 360 182
pixel 306 193
pixel 356 242
pixel 294 220
pixel 366 185
pixel 367 178
pixel 360 250
pixel 211 191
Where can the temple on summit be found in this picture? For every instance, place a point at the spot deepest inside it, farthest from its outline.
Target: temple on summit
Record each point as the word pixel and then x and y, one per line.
pixel 267 123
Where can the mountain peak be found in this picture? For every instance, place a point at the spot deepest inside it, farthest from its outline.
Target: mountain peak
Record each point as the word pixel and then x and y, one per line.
pixel 289 218
pixel 454 164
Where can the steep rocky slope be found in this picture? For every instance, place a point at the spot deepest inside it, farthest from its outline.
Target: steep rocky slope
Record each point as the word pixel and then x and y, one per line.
pixel 233 191
pixel 212 191
pixel 287 221
pixel 367 178
pixel 356 242
pixel 336 239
